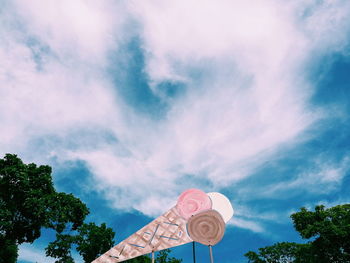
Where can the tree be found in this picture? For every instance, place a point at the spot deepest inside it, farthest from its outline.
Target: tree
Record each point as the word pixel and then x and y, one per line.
pixel 28 202
pixel 284 252
pixel 329 231
pixel 8 251
pixel 140 259
pixel 162 257
pixel 65 212
pixel 24 190
pixel 94 240
pixel 90 240
pixel 61 248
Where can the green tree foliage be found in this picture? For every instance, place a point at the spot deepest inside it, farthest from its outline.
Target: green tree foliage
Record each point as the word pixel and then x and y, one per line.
pixel 65 212
pixel 161 257
pixel 140 259
pixel 284 252
pixel 329 231
pixel 94 240
pixel 61 248
pixel 90 240
pixel 28 202
pixel 24 192
pixel 8 251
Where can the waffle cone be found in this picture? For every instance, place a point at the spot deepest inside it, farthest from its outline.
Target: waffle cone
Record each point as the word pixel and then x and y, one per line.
pixel 168 230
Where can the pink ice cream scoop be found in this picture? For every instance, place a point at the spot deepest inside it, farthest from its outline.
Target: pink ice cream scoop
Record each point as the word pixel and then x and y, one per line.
pixel 191 202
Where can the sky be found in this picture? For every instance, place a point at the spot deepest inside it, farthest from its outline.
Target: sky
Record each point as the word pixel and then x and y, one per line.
pixel 133 102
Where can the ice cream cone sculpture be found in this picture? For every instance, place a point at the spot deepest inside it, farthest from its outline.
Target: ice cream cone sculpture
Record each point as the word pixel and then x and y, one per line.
pixel 197 216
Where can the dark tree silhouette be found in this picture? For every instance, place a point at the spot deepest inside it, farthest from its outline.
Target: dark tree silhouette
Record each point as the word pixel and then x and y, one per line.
pixel 28 202
pixel 329 231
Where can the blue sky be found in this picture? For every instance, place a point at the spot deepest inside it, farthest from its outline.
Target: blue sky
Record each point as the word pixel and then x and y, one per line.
pixel 132 102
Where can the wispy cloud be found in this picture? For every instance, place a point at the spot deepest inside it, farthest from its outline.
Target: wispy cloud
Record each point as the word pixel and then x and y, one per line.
pixel 32 254
pixel 232 76
pixel 246 224
pixel 323 177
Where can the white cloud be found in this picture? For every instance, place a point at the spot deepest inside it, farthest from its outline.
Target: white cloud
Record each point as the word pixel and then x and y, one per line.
pixel 251 99
pixel 324 176
pixel 255 34
pixel 34 255
pixel 73 29
pixel 246 224
pixel 63 95
pixel 255 220
pixel 254 100
pixel 326 23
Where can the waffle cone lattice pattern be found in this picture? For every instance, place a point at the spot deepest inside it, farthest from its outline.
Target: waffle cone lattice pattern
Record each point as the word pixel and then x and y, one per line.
pixel 168 230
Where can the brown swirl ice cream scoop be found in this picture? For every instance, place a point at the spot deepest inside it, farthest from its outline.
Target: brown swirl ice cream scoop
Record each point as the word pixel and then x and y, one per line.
pixel 206 227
